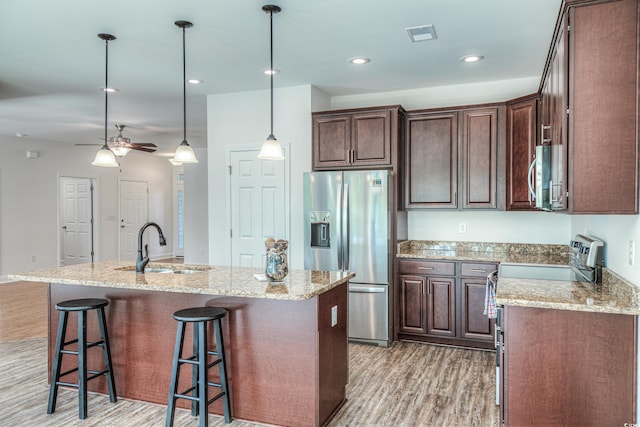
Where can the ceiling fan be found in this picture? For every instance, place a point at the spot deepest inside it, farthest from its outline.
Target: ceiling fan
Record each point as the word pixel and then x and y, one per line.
pixel 121 145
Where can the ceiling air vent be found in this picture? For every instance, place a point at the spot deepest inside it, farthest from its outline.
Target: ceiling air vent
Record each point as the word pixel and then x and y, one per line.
pixel 421 33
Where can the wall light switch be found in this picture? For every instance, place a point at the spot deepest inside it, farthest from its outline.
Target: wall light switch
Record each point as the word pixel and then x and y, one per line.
pixel 334 316
pixel 462 228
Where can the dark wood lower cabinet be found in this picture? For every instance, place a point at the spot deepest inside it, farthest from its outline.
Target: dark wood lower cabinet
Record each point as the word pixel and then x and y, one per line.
pixel 443 302
pixel 568 368
pixel 413 304
pixel 441 306
pixel 475 324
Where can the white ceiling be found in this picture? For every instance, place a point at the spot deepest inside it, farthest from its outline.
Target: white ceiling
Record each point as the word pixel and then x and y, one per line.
pixel 52 62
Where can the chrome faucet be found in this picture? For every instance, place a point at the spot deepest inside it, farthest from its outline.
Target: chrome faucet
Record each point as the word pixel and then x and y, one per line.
pixel 141 262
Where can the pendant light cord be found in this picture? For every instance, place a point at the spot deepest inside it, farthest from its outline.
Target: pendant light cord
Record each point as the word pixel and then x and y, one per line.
pixel 184 86
pixel 272 71
pixel 106 87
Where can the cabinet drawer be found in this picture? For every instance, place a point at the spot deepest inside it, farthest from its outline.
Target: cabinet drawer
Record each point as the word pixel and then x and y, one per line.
pixel 469 269
pixel 428 267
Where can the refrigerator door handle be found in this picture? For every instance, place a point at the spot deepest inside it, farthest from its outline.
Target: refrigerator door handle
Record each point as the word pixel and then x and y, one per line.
pixel 345 227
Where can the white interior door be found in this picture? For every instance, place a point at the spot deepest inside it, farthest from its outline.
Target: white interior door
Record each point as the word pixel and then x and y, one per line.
pixel 133 215
pixel 76 221
pixel 258 207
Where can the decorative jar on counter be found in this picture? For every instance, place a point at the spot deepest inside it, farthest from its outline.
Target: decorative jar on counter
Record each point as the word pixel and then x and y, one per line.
pixel 276 267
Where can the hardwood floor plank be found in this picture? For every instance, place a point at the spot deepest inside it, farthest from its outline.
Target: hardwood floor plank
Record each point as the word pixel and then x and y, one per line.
pixel 23 310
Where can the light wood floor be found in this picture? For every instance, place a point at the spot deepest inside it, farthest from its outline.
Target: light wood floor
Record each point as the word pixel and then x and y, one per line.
pixel 408 384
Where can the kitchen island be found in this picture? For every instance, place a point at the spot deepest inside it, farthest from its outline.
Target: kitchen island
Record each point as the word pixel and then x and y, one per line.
pixel 286 342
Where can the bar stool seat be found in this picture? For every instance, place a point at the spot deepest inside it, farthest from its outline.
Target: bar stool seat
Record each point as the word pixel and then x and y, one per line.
pixel 81 306
pixel 199 397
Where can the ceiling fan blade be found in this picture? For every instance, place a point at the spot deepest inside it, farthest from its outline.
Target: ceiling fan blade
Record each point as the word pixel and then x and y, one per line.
pixel 88 145
pixel 141 144
pixel 146 150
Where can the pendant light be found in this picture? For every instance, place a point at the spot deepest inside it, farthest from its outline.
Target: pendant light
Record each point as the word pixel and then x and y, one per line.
pixel 184 153
pixel 271 149
pixel 104 156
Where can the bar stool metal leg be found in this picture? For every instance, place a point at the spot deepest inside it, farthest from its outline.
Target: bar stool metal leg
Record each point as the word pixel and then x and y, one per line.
pixel 57 362
pixel 217 327
pixel 173 387
pixel 106 355
pixel 203 389
pixel 82 364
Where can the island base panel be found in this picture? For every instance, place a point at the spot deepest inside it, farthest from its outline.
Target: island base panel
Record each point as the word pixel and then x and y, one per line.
pixel 286 364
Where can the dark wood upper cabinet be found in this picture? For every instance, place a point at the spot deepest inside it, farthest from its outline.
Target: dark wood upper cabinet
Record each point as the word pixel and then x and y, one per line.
pixel 521 150
pixel 432 160
pixel 479 141
pixel 590 103
pixel 453 158
pixel 362 138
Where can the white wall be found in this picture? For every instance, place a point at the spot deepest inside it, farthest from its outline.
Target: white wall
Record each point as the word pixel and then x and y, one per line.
pixel 29 200
pixel 490 226
pixel 196 210
pixel 242 119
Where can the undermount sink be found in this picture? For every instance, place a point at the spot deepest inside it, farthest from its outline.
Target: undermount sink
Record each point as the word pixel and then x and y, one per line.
pixel 168 270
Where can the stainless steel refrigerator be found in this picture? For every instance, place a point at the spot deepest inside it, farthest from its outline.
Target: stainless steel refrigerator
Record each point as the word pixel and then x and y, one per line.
pixel 347 221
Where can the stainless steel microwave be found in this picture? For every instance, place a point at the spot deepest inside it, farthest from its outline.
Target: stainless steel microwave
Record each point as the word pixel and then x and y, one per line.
pixel 550 181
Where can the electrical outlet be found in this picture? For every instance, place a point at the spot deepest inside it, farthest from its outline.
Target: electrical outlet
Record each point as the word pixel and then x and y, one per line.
pixel 334 316
pixel 462 228
pixel 33 258
pixel 632 252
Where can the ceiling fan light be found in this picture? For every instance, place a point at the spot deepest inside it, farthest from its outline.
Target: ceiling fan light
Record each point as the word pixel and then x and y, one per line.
pixel 271 149
pixel 175 162
pixel 105 158
pixel 184 153
pixel 120 151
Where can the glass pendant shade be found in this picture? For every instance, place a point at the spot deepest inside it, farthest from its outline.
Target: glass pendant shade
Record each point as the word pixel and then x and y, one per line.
pixel 271 149
pixel 120 151
pixel 105 158
pixel 174 162
pixel 185 154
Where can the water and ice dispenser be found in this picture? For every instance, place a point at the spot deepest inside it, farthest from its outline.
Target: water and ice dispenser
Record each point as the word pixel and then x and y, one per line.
pixel 320 229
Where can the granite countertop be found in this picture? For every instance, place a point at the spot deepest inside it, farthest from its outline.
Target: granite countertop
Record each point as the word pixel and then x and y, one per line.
pixel 614 295
pixel 210 280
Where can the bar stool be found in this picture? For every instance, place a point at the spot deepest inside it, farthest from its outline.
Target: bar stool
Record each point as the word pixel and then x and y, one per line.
pixel 81 306
pixel 199 317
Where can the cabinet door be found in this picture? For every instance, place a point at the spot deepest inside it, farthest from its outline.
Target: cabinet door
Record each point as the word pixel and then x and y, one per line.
pixel 371 139
pixel 475 324
pixel 479 158
pixel 521 149
pixel 432 153
pixel 441 306
pixel 604 89
pixel 331 141
pixel 413 304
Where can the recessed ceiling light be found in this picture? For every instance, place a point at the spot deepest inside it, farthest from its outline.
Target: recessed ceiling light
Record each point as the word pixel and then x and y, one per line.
pixel 109 89
pixel 195 81
pixel 472 58
pixel 21 135
pixel 358 60
pixel 269 71
pixel 421 33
